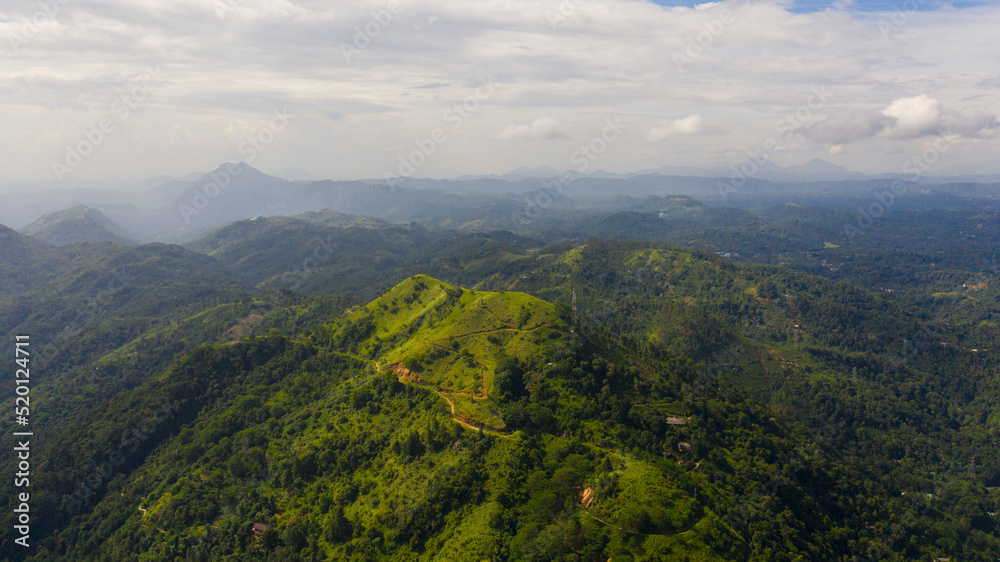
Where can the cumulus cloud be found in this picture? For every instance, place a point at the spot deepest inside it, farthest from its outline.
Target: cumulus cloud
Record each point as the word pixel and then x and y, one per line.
pixel 850 126
pixel 915 117
pixel 972 122
pixel 904 118
pixel 541 128
pixel 690 125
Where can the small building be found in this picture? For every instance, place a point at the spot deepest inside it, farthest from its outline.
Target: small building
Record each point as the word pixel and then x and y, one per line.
pixel 676 421
pixel 259 528
pixel 684 447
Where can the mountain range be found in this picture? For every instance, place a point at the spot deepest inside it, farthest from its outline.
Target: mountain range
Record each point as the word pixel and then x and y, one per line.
pixel 179 210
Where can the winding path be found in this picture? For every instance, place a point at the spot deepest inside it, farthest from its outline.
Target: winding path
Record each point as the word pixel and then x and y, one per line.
pixel 453 418
pixel 405 373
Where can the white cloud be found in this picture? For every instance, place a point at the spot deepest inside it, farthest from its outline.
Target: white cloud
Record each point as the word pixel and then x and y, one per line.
pixel 904 118
pixel 609 58
pixel 541 128
pixel 922 115
pixel 915 117
pixel 972 122
pixel 848 126
pixel 690 125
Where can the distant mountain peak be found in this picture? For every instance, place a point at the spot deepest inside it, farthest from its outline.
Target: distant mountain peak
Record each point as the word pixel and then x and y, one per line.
pixel 75 225
pixel 820 164
pixel 237 169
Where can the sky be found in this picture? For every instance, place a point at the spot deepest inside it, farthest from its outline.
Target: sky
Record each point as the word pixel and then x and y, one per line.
pixel 100 90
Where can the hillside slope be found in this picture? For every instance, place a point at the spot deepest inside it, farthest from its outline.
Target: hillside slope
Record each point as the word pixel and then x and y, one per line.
pixel 348 462
pixel 24 262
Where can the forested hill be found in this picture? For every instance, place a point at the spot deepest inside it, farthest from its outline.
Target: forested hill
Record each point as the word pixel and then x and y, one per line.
pixel 76 225
pixel 362 458
pixel 442 423
pixel 688 407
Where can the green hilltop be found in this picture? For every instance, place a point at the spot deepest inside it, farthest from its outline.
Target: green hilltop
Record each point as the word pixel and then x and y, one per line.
pixel 451 340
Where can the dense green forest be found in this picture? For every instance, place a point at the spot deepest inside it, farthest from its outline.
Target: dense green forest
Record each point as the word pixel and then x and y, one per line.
pixel 368 390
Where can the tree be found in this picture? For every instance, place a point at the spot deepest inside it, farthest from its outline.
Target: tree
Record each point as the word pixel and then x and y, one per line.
pixel 413 446
pixel 269 539
pixel 360 397
pixel 338 527
pixel 768 290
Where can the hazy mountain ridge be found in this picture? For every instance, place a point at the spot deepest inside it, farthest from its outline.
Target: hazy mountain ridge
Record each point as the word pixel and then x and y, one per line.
pixel 181 209
pixel 76 225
